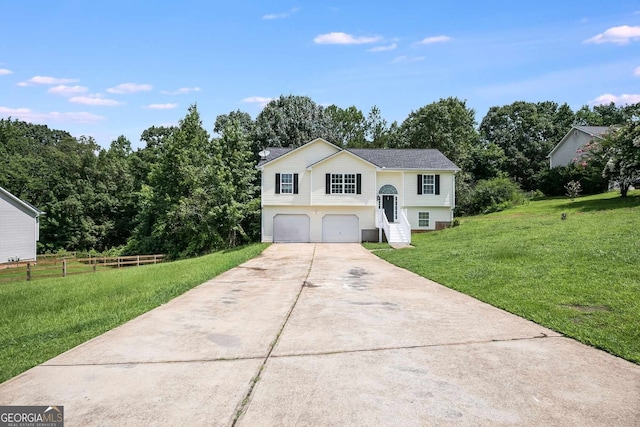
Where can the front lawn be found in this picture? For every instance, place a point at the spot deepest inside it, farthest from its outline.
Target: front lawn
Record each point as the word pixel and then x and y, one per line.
pixel 578 276
pixel 44 318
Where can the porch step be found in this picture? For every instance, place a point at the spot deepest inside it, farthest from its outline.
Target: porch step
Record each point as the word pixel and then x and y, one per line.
pixel 397 234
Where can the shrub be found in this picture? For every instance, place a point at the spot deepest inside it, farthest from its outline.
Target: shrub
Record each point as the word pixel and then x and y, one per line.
pixel 573 189
pixel 492 195
pixel 552 181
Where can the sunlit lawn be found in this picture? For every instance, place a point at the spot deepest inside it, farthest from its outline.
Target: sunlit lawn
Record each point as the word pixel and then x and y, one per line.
pixel 43 318
pixel 580 276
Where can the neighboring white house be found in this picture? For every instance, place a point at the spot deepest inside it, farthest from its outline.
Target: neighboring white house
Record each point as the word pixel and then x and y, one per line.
pixel 19 228
pixel 567 149
pixel 321 193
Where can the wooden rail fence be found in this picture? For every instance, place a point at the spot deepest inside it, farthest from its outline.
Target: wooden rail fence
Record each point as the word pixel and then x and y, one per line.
pixel 69 265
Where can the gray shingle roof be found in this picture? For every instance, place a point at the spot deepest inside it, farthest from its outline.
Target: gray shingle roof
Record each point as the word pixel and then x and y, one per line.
pixel 388 158
pixel 405 158
pixel 594 130
pixel 274 153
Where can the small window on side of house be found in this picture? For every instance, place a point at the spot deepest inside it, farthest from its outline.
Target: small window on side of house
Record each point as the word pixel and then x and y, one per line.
pixel 423 219
pixel 428 184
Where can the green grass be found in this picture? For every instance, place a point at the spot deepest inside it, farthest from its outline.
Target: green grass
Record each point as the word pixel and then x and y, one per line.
pixel 580 277
pixel 44 318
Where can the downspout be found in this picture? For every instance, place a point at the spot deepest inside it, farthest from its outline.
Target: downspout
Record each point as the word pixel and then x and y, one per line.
pixel 453 191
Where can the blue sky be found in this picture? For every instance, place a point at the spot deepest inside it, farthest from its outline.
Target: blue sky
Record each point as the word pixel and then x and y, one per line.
pixel 106 68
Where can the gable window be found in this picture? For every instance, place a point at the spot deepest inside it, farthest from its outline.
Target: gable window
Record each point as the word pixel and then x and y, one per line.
pixel 423 219
pixel 286 183
pixel 344 183
pixel 429 184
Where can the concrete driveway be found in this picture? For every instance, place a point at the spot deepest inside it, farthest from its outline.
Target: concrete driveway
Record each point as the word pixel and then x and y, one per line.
pixel 327 334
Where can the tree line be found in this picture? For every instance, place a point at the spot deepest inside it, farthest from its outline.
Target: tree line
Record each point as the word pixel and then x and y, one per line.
pixel 188 191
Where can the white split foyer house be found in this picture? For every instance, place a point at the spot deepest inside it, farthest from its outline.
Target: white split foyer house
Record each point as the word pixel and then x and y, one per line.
pixel 319 192
pixel 19 228
pixel 577 138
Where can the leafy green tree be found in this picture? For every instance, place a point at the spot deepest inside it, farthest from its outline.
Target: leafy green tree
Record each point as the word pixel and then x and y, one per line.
pixel 115 207
pixel 526 132
pixel 171 217
pixel 234 178
pixel 621 148
pixel 291 121
pixel 603 115
pixel 201 191
pixel 447 125
pixel 242 119
pixel 379 134
pixel 349 126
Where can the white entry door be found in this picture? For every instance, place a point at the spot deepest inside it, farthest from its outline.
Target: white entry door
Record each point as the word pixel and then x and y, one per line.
pixel 340 229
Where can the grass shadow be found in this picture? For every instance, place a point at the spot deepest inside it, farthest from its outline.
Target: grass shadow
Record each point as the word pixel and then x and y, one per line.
pixel 631 201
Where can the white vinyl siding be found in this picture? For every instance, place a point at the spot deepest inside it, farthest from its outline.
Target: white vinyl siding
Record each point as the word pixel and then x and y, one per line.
pixel 338 165
pixel 412 198
pixel 436 214
pixel 568 151
pixel 295 162
pixel 18 231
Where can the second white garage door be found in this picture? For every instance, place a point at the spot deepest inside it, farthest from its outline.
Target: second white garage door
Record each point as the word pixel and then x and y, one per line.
pixel 340 229
pixel 291 229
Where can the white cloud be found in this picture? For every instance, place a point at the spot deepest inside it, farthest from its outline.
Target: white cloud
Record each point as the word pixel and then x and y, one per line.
pixel 4 72
pixel 260 100
pixel 181 91
pixel 344 38
pixel 95 100
pixel 392 46
pixel 435 39
pixel 618 35
pixel 54 116
pixel 46 80
pixel 636 72
pixel 64 90
pixel 167 106
pixel 130 88
pixel 405 59
pixel 283 15
pixel 608 98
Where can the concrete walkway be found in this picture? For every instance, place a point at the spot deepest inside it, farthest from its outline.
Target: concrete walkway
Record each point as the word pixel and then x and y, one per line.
pixel 331 335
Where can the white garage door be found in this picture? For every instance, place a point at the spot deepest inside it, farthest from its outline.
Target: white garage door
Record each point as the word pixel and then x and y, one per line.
pixel 291 229
pixel 340 229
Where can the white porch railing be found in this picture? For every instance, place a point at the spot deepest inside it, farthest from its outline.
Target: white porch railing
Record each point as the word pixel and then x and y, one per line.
pixel 382 222
pixel 404 223
pixel 398 232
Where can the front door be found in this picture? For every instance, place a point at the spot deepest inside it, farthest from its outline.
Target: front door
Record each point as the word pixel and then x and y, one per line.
pixel 388 204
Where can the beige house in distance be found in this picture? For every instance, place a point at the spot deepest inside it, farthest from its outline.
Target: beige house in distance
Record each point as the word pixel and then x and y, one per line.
pixel 567 149
pixel 319 192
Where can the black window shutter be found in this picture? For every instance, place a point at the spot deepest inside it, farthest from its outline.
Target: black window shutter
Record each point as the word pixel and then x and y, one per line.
pixel 327 183
pixel 277 183
pixel 419 184
pixel 295 183
pixel 437 184
pixel 359 183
